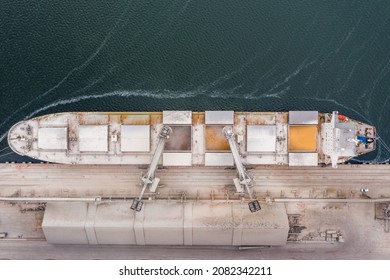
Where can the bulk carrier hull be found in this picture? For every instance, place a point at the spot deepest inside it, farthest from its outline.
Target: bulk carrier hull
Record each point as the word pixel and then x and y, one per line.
pixel 295 138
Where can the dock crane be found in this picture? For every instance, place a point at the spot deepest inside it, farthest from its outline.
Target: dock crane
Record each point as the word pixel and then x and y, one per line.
pixel 244 181
pixel 149 179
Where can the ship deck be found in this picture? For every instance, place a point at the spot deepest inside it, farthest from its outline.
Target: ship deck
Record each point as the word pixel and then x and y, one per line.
pixel 280 138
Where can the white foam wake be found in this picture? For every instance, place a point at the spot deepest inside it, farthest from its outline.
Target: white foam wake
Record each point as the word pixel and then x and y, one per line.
pixel 348 35
pixel 75 69
pixel 168 94
pixel 138 93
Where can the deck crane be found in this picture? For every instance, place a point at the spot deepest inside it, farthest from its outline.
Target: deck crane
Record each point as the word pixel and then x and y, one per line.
pixel 243 180
pixel 149 179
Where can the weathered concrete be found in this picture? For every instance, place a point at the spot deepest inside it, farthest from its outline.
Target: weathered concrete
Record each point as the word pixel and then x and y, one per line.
pixel 365 236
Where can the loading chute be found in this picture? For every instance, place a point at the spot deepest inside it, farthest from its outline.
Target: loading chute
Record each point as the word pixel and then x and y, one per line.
pixel 149 179
pixel 243 180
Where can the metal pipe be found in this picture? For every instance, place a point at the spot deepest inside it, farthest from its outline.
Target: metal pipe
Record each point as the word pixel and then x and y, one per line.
pixel 51 199
pixel 269 200
pixel 332 200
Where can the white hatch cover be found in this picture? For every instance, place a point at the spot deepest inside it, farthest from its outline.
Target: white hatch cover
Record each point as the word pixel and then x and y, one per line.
pixel 303 117
pixel 177 117
pixel 93 138
pixel 53 138
pixel 219 117
pixel 177 159
pixel 261 138
pixel 135 138
pixel 302 159
pixel 219 159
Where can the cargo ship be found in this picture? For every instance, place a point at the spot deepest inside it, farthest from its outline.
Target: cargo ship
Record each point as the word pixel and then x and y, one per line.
pixel 295 138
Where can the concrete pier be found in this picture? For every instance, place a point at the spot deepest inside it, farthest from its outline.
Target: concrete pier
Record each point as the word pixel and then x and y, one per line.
pixel 56 180
pixel 320 198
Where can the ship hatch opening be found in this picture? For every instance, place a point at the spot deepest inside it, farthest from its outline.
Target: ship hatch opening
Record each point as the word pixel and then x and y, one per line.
pixel 215 139
pixel 302 138
pixel 180 140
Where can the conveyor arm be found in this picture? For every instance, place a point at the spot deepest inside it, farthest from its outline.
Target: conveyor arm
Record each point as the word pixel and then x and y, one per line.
pixel 149 179
pixel 244 180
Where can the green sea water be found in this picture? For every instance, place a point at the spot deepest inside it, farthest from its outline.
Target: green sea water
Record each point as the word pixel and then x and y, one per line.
pixel 118 55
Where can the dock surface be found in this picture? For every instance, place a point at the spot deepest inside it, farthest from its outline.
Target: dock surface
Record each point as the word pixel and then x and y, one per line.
pixel 321 198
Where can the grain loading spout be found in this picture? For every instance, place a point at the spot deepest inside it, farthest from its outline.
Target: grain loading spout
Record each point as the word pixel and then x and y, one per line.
pixel 244 181
pixel 149 179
